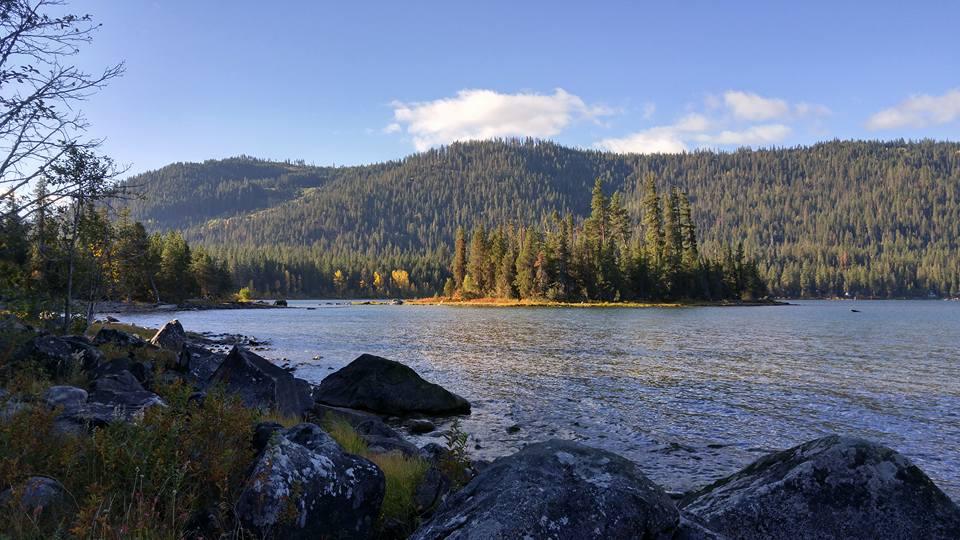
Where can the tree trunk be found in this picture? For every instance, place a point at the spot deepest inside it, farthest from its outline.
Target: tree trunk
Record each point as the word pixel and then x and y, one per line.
pixel 67 318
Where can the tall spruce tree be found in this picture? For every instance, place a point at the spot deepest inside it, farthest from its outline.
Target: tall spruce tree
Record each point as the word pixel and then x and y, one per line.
pixel 459 268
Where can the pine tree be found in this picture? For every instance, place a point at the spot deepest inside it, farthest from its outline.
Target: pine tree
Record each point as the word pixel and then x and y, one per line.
pixel 478 261
pixel 689 232
pixel 526 260
pixel 652 223
pixel 459 258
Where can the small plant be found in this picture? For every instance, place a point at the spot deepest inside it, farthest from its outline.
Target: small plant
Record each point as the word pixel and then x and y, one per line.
pixel 455 463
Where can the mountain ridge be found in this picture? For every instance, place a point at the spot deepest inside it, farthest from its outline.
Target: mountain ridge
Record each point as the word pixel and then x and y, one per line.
pixel 825 219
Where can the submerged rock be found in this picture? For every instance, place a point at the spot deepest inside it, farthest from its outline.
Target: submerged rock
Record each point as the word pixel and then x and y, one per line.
pixel 170 336
pixel 556 489
pixel 305 486
pixel 262 384
pixel 833 487
pixel 376 384
pixel 420 426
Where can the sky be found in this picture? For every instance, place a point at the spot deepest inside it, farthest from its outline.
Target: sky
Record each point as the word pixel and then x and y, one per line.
pixel 360 82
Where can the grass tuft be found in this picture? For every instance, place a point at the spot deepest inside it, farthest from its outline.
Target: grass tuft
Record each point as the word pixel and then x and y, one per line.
pixel 403 473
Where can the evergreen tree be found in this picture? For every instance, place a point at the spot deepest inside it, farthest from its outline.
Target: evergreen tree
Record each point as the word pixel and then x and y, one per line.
pixel 459 258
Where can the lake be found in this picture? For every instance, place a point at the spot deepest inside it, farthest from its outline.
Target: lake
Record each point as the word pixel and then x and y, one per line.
pixel 691 394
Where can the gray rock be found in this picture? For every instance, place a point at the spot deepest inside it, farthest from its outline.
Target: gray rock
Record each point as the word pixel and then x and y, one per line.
pixel 203 363
pixel 170 336
pixel 383 386
pixel 431 492
pixel 61 356
pixel 262 384
pixel 263 432
pixel 38 496
pixel 833 487
pixel 122 392
pixel 70 398
pixel 420 426
pixel 110 336
pixel 381 438
pixel 305 486
pixel 556 489
pixel 141 371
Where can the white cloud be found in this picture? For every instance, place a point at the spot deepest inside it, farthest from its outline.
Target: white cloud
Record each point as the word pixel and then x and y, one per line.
pixel 918 111
pixel 748 106
pixel 760 135
pixel 392 128
pixel 485 114
pixel 737 119
pixel 660 139
pixel 753 107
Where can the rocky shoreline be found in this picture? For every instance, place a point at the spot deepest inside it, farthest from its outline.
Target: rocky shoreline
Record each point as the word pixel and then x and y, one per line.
pixel 307 481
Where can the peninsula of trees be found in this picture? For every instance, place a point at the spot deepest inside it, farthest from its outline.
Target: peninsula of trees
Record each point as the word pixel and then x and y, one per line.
pixel 604 258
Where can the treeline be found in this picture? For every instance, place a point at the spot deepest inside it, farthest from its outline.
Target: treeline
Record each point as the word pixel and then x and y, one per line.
pixel 863 218
pixel 604 258
pixel 65 253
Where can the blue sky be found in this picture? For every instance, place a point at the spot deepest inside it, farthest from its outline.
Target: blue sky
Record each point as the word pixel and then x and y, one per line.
pixel 360 82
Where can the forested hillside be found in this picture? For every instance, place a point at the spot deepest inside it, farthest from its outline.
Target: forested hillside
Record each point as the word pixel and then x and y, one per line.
pixel 864 218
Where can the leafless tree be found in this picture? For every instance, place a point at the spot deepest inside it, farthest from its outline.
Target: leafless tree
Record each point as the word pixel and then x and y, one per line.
pixel 40 91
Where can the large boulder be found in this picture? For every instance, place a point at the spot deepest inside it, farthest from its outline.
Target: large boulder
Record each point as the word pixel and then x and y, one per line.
pixel 170 336
pixel 118 338
pixel 833 487
pixel 61 356
pixel 200 363
pixel 376 384
pixel 305 486
pixel 260 383
pixel 122 392
pixel 556 489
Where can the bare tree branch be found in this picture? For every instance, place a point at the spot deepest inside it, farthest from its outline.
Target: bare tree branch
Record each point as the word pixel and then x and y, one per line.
pixel 40 91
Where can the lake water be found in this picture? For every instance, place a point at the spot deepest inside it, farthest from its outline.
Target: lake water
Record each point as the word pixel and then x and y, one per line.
pixel 690 394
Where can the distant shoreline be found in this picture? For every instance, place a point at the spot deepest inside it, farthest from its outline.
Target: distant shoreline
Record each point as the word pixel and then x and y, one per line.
pixel 503 302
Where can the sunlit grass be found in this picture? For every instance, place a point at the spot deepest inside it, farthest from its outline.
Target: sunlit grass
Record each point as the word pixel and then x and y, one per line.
pixel 403 473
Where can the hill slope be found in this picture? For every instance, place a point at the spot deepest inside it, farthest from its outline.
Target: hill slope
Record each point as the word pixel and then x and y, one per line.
pixel 868 218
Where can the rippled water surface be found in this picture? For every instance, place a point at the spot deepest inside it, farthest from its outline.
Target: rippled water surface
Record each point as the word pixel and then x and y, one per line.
pixel 691 394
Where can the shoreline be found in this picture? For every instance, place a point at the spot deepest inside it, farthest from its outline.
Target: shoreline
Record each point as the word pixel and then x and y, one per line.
pixel 507 303
pixel 149 307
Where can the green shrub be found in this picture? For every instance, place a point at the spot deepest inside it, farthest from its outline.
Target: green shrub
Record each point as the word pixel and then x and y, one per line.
pixel 455 463
pixel 136 480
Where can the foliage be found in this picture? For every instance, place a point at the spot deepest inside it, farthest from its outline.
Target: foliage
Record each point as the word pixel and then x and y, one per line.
pixel 142 480
pixel 455 463
pixel 244 294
